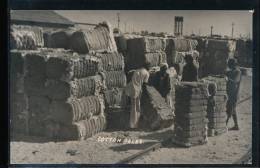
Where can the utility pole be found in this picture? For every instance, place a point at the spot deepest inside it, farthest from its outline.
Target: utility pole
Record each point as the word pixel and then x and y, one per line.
pixel 211 30
pixel 118 20
pixel 232 33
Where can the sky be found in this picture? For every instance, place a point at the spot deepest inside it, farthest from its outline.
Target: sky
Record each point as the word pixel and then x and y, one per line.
pixel 195 21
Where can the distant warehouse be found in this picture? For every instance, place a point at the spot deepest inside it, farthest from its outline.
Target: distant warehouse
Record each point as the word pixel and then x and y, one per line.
pixel 40 18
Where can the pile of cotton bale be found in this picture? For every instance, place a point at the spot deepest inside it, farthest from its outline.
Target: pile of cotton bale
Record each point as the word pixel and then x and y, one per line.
pixel 22 91
pixel 217 54
pixel 26 37
pixel 156 112
pixel 114 93
pixel 65 89
pixel 18 98
pixel 101 44
pixel 145 49
pixel 61 91
pixel 24 41
pixel 99 39
pixel 74 87
pixel 217 117
pixel 176 49
pixel 121 42
pixel 34 82
pixel 190 124
pixel 58 38
pixel 244 52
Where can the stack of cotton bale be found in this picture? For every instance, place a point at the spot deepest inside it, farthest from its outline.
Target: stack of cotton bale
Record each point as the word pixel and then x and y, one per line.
pixel 121 42
pixel 99 39
pixel 26 37
pixel 74 87
pixel 177 49
pixel 145 49
pixel 244 52
pixel 217 118
pixel 19 114
pixel 58 38
pixel 190 124
pixel 24 41
pixel 156 112
pixel 217 54
pixel 38 102
pixel 100 43
pixel 114 93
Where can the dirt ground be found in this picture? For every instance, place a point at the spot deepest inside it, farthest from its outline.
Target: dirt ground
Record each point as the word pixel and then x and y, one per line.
pixel 226 148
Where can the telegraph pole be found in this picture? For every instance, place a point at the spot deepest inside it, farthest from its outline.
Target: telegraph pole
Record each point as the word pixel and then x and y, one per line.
pixel 232 33
pixel 118 20
pixel 211 30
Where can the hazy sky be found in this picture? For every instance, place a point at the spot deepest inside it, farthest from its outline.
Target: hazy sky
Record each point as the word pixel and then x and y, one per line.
pixel 163 20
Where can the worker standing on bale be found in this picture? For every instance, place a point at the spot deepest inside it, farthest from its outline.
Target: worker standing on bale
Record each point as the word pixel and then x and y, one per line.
pixel 134 88
pixel 233 83
pixel 190 70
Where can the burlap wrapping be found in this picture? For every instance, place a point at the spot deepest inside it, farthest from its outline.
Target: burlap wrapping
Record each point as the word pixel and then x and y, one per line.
pixel 98 40
pixel 111 61
pixel 67 66
pixel 77 130
pixel 190 127
pixel 115 79
pixel 155 110
pixel 62 90
pixel 74 110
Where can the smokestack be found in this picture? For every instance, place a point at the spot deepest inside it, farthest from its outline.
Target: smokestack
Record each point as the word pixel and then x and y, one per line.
pixel 178 26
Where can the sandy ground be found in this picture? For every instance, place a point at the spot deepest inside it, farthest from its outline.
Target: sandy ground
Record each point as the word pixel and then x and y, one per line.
pixel 226 148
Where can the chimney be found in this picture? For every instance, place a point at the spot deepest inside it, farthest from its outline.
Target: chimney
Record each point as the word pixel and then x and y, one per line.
pixel 178 26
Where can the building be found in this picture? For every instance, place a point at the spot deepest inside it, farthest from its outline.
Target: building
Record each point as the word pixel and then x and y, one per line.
pixel 40 18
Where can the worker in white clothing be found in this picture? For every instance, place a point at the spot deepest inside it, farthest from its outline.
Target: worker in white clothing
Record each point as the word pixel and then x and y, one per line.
pixel 134 88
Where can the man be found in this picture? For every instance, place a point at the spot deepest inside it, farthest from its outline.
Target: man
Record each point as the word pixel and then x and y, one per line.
pixel 190 70
pixel 233 83
pixel 162 80
pixel 134 89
